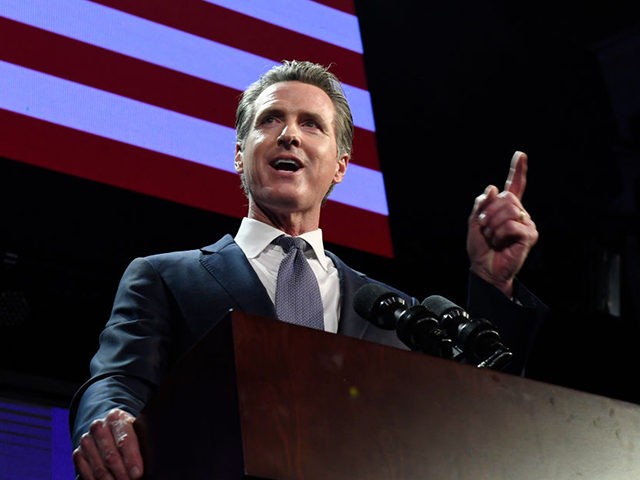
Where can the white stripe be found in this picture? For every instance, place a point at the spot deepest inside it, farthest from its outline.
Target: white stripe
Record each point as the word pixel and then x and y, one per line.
pixel 303 16
pixel 119 118
pixel 95 111
pixel 170 48
pixel 362 187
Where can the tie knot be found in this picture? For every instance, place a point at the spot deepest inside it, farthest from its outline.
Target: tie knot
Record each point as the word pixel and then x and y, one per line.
pixel 287 243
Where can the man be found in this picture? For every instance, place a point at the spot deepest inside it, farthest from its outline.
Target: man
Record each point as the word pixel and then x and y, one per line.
pixel 294 134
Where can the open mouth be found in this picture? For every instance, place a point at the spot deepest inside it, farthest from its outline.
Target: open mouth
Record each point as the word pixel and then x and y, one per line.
pixel 285 164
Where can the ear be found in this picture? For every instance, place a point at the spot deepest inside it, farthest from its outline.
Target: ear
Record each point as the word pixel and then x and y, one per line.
pixel 237 163
pixel 341 169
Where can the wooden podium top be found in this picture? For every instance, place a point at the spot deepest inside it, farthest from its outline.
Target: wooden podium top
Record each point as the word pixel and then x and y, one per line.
pixel 259 398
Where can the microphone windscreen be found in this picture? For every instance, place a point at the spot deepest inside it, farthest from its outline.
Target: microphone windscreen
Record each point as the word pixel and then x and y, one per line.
pixel 438 305
pixel 366 299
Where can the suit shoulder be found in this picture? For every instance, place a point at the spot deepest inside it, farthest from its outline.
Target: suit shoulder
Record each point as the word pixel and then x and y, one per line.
pixel 341 265
pixel 190 253
pixel 160 259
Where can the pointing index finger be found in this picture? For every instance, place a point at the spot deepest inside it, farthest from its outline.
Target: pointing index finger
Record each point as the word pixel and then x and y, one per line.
pixel 517 179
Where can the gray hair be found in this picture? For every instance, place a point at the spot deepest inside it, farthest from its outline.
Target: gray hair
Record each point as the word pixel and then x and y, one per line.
pixel 306 72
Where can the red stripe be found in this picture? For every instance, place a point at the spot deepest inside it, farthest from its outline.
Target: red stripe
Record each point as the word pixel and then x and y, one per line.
pixel 120 74
pixel 346 6
pixel 365 149
pixel 102 160
pixel 246 33
pixel 95 158
pixel 126 76
pixel 356 228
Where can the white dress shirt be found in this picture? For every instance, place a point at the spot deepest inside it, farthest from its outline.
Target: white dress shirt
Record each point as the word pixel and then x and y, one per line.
pixel 255 237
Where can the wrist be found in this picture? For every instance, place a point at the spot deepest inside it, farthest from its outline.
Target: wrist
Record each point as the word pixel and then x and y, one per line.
pixel 504 285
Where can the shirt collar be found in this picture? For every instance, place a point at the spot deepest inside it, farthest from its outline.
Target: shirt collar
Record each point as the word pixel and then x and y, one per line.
pixel 254 236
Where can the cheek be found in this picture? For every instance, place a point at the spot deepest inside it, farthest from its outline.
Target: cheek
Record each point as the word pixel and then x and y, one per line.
pixel 327 176
pixel 333 166
pixel 256 138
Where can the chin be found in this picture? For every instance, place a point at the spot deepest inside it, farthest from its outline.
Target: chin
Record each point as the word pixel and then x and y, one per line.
pixel 278 200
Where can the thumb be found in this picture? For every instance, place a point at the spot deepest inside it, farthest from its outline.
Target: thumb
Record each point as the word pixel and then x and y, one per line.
pixel 517 178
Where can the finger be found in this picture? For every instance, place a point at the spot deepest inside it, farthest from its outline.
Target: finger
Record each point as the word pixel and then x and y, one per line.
pixel 109 454
pixel 82 465
pixel 89 458
pixel 505 235
pixel 499 213
pixel 481 200
pixel 523 216
pixel 512 231
pixel 127 442
pixel 517 178
pixel 503 220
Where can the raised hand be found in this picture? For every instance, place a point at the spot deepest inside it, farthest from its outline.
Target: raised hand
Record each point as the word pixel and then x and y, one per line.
pixel 500 231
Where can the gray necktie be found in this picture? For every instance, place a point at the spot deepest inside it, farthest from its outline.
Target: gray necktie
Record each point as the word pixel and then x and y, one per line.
pixel 297 293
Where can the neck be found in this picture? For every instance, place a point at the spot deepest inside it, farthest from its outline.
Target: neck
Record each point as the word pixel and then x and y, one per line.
pixel 291 223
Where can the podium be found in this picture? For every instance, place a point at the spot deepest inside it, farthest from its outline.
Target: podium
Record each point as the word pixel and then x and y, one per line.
pixel 257 398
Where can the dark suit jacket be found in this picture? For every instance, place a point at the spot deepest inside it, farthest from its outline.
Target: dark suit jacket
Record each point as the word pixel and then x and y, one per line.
pixel 166 302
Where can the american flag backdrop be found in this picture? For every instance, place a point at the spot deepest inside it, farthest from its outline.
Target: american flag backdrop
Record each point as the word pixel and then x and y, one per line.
pixel 141 94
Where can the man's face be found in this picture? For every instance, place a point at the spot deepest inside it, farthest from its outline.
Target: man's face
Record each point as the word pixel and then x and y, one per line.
pixel 290 155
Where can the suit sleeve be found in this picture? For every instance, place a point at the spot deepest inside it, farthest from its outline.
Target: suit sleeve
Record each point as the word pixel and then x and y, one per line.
pixel 518 321
pixel 133 351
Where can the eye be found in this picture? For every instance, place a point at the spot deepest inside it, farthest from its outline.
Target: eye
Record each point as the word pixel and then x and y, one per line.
pixel 311 124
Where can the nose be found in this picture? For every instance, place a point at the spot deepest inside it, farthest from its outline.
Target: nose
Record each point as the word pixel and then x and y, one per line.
pixel 290 136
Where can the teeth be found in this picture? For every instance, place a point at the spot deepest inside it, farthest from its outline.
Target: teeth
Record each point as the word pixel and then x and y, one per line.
pixel 284 160
pixel 285 164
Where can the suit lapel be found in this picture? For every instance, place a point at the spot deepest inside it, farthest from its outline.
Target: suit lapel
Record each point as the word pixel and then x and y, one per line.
pixel 226 262
pixel 350 324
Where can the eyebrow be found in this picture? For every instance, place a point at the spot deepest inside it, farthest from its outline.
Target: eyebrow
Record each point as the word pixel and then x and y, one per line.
pixel 278 112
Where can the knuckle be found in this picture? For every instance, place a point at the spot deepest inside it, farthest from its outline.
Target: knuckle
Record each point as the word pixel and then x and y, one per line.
pixel 77 455
pixel 114 414
pixel 95 426
pixel 111 457
pixel 84 439
pixel 122 440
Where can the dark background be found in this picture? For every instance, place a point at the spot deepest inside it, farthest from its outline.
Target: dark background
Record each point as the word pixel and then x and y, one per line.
pixel 457 87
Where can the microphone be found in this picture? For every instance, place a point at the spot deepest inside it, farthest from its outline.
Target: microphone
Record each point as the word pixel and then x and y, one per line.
pixel 415 326
pixel 478 339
